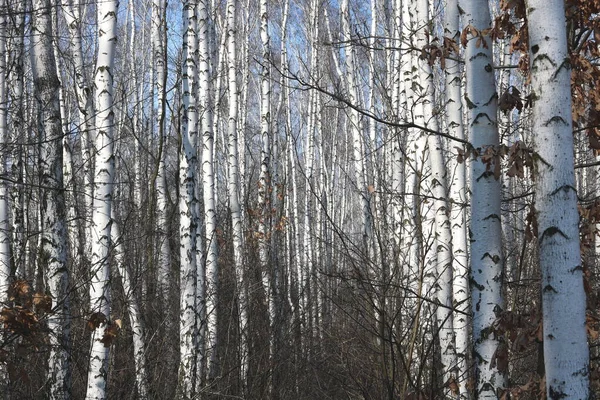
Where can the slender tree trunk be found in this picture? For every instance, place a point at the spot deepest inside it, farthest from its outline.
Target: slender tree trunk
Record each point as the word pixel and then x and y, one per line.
pixel 187 206
pixel 18 136
pixel 566 352
pixel 486 228
pixel 159 57
pixel 457 204
pixel 103 182
pixel 4 138
pixel 135 314
pixel 264 179
pixel 85 105
pixel 208 162
pixel 52 213
pixel 234 188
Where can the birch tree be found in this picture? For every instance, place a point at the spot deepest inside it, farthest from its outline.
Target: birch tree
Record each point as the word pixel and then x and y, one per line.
pixel 135 313
pixel 566 352
pixel 53 240
pixel 103 182
pixel 234 189
pixel 160 70
pixel 85 106
pixel 4 137
pixel 264 179
pixel 486 229
pixel 458 200
pixel 187 200
pixel 17 100
pixel 208 170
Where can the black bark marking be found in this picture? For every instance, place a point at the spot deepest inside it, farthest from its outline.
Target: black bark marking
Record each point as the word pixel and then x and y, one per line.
pixel 551 231
pixel 474 283
pixel 492 216
pixel 556 118
pixel 564 188
pixel 495 258
pixel 577 268
pixel 549 288
pixel 541 57
pixel 555 394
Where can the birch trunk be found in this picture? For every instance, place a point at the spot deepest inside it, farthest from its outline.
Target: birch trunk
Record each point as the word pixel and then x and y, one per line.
pixel 135 314
pixel 85 106
pixel 356 129
pixel 486 228
pixel 187 206
pixel 159 57
pixel 4 138
pixel 458 201
pixel 17 99
pixel 234 191
pixel 264 179
pixel 52 213
pixel 103 182
pixel 208 163
pixel 566 352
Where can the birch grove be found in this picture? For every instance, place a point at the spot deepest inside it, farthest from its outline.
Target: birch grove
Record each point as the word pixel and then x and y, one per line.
pixel 299 199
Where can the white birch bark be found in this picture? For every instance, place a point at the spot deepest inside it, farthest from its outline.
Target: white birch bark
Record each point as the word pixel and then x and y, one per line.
pixel 187 206
pixel 159 59
pixel 234 187
pixel 208 165
pixel 486 229
pixel 103 182
pixel 52 213
pixel 135 314
pixel 412 232
pixel 85 106
pixel 566 352
pixel 264 179
pixel 69 185
pixel 458 200
pixel 356 129
pixel 436 182
pixel 4 138
pixel 18 136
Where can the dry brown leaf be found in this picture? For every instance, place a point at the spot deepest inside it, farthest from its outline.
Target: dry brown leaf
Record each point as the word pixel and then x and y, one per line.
pixel 95 320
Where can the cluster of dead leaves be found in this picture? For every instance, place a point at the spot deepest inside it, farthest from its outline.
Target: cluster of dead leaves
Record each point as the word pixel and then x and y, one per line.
pixel 434 52
pixel 111 328
pixel 22 315
pixel 519 158
pixel 589 218
pixel 535 388
pixel 583 22
pixel 522 331
pixel 491 157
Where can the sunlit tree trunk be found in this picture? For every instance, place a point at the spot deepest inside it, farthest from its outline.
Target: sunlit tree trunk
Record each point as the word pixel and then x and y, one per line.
pixel 85 106
pixel 103 182
pixel 52 213
pixel 18 135
pixel 264 179
pixel 566 352
pixel 234 197
pixel 4 138
pixel 486 229
pixel 135 315
pixel 187 206
pixel 357 134
pixel 208 162
pixel 159 57
pixel 458 199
